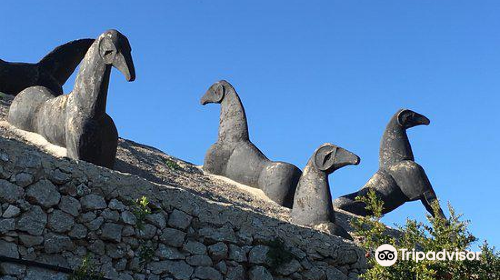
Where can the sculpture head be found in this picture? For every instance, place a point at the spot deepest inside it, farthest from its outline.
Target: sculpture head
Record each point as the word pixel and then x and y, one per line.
pixel 115 50
pixel 215 93
pixel 407 119
pixel 329 157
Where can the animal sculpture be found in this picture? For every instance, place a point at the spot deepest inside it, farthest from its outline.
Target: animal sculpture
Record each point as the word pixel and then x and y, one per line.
pixel 236 157
pixel 312 205
pixel 51 72
pixel 399 178
pixel 78 120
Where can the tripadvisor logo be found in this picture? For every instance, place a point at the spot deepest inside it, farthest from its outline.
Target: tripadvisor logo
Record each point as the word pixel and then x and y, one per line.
pixel 387 255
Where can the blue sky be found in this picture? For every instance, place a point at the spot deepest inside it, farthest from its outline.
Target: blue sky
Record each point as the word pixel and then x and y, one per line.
pixel 308 72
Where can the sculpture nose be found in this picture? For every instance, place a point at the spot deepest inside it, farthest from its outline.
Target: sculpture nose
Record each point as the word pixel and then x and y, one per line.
pixel 205 99
pixel 124 63
pixel 356 160
pixel 421 119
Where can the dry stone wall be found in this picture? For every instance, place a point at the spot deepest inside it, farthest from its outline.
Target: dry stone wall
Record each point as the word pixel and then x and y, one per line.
pixel 57 211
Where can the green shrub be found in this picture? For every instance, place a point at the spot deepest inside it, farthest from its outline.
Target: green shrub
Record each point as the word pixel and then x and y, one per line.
pixel 86 271
pixel 449 234
pixel 172 164
pixel 146 251
pixel 140 209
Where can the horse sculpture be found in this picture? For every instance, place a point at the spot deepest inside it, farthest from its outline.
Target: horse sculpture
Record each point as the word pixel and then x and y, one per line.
pixel 234 156
pixel 51 72
pixel 312 205
pixel 399 178
pixel 78 120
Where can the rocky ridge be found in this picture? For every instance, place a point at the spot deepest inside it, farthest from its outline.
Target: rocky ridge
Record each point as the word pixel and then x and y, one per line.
pixel 57 210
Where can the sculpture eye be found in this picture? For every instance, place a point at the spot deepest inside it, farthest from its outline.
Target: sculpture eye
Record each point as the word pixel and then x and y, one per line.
pixel 406 118
pixel 327 158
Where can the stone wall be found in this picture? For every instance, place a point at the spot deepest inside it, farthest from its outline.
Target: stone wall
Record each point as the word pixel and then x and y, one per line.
pixel 57 211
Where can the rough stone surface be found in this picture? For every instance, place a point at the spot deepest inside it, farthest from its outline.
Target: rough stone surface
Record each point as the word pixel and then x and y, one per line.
pixel 59 177
pixel 199 260
pixel 24 179
pixel 258 254
pixel 93 202
pixel 259 273
pixel 43 193
pixel 95 224
pixel 110 215
pixel 11 211
pixel 334 274
pixel 60 221
pixel 200 228
pixel 218 251
pixel 12 269
pixel 10 192
pixel 236 273
pixel 157 219
pixel 172 237
pixel 33 221
pixel 78 232
pixel 7 225
pixel 237 253
pixel 34 273
pixel 290 267
pixel 115 204
pixel 30 240
pixel 55 243
pixel 207 273
pixel 179 269
pixel 129 218
pixel 195 248
pixel 112 232
pixel 8 249
pixel 70 205
pixel 169 253
pixel 179 219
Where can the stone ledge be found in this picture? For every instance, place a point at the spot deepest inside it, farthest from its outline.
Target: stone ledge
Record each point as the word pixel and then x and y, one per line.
pixel 90 215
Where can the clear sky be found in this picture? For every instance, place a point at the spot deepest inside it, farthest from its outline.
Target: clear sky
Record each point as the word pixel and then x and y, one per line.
pixel 308 72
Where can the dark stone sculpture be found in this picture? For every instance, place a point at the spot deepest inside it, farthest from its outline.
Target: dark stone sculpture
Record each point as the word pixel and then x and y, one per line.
pixel 313 200
pixel 399 178
pixel 78 120
pixel 51 72
pixel 234 156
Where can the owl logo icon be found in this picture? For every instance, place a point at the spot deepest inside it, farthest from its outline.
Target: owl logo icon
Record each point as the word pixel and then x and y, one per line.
pixel 386 255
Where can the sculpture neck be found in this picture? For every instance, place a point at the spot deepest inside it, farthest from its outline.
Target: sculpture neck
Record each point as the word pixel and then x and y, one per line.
pixel 233 121
pixel 91 86
pixel 395 145
pixel 320 190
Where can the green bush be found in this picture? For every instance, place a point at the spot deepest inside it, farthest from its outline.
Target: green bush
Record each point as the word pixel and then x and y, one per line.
pixel 146 251
pixel 172 165
pixel 86 271
pixel 449 234
pixel 140 209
